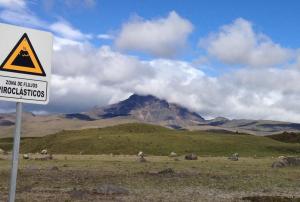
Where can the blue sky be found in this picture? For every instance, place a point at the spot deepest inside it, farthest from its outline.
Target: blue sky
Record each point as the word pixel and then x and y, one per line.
pixel 274 18
pixel 238 59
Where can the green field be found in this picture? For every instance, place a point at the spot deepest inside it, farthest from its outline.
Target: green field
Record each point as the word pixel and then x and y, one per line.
pixel 155 140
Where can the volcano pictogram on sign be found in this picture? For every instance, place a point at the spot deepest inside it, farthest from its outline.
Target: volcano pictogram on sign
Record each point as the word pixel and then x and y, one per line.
pixel 23 59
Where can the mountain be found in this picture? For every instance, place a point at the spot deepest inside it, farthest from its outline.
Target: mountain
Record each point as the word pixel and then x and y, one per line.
pixel 148 109
pixel 139 109
pixel 256 127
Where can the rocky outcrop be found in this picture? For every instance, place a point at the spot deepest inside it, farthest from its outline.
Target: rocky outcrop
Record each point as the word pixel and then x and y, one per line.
pixel 286 161
pixel 191 157
pixel 234 157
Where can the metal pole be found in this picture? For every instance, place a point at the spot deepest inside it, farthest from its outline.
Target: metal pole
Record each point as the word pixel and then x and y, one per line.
pixel 15 154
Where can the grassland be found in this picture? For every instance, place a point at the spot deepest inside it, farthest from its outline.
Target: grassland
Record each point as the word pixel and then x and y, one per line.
pixel 156 140
pixel 74 177
pixel 287 137
pixel 206 179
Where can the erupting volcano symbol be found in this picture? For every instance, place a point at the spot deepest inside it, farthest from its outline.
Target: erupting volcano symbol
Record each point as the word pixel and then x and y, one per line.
pixel 23 59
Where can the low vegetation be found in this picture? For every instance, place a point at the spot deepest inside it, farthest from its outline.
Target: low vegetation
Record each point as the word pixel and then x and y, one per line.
pixel 287 137
pixel 156 140
pixel 79 178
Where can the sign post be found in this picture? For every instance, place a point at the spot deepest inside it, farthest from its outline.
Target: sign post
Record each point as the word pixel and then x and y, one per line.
pixel 25 71
pixel 15 154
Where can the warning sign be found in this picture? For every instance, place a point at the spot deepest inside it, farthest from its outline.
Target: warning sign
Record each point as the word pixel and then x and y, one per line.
pixel 23 89
pixel 25 58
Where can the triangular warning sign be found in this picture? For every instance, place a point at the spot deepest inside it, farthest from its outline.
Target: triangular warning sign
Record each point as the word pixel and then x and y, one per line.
pixel 23 59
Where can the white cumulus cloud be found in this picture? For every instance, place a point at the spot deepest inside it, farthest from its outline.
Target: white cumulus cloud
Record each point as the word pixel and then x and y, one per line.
pixel 66 30
pixel 238 43
pixel 13 4
pixel 163 37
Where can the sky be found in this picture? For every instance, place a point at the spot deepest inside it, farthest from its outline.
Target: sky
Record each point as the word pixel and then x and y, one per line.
pixel 235 59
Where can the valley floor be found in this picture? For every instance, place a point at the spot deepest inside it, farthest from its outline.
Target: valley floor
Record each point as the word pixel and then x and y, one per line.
pixel 123 178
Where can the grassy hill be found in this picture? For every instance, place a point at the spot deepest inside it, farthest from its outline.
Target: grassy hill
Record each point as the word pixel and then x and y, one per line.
pixel 287 137
pixel 156 140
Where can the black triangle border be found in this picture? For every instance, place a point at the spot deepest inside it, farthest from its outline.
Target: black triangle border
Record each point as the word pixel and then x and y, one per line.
pixel 35 55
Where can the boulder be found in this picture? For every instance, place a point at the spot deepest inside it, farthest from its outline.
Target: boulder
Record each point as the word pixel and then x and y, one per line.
pixel 286 161
pixel 173 154
pixel 110 190
pixel 26 156
pixel 2 152
pixel 44 152
pixel 234 157
pixel 141 154
pixel 191 157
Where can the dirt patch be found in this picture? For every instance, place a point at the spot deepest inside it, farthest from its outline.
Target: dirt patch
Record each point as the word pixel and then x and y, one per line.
pixel 110 190
pixel 270 199
pixel 166 171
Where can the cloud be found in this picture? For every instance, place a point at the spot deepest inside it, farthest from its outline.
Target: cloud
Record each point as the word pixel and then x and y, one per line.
pixel 59 43
pixel 13 4
pixel 80 3
pixel 64 33
pixel 105 36
pixel 107 76
pixel 162 37
pixel 17 12
pixel 66 30
pixel 23 18
pixel 85 76
pixel 238 43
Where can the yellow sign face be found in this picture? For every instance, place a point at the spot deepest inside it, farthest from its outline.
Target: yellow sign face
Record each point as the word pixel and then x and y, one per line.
pixel 23 59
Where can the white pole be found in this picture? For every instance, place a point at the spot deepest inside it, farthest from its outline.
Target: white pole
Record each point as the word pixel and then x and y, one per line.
pixel 15 154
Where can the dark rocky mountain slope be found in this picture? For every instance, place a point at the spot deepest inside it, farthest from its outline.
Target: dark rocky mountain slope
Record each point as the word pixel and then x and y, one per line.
pixel 148 109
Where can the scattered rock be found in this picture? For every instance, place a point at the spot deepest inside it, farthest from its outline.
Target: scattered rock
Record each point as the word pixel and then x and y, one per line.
pixel 55 168
pixel 141 154
pixel 2 151
pixel 286 161
pixel 142 160
pixel 234 157
pixel 167 171
pixel 270 198
pixel 278 164
pixel 29 168
pixel 111 190
pixel 44 158
pixel 44 152
pixel 173 154
pixel 26 156
pixel 191 157
pixel 78 194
